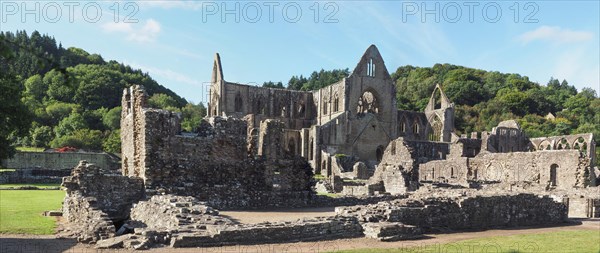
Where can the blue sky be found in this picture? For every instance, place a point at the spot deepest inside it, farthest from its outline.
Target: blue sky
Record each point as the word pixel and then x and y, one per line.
pixel 175 41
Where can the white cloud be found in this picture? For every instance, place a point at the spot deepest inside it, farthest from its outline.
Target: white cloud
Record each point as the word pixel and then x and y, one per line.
pixel 146 33
pixel 555 34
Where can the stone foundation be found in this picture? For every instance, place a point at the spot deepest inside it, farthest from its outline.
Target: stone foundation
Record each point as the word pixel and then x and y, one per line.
pixel 475 212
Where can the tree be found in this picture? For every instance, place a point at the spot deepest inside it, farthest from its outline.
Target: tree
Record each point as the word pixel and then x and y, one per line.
pixel 192 115
pixel 271 84
pixel 57 111
pixel 14 115
pixel 112 143
pixel 162 101
pixel 41 135
pixel 80 138
pixel 112 118
pixel 69 125
pixel 58 87
pixel 296 83
pixel 35 87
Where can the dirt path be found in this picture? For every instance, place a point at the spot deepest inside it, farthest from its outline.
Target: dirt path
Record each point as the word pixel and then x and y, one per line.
pixel 252 217
pixel 29 243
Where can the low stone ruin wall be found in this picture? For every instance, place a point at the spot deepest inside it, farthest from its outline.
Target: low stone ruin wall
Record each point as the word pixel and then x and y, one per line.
pixel 186 222
pixel 59 160
pixel 97 199
pixel 33 176
pixel 84 220
pixel 478 212
pixel 325 228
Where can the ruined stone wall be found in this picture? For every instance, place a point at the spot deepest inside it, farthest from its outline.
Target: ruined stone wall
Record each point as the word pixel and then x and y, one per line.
pixel 331 100
pixel 412 125
pixel 508 137
pixel 465 147
pixel 560 169
pixel 59 160
pixel 398 170
pixel 294 108
pixel 473 212
pixel 113 193
pixel 453 171
pixel 216 164
pixel 97 198
pixel 84 220
pixel 582 142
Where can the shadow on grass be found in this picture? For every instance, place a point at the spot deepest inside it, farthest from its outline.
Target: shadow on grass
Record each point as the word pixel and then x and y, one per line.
pixel 8 244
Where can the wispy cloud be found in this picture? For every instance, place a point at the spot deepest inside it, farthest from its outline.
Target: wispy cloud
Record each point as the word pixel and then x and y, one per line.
pixel 134 32
pixel 555 34
pixel 166 74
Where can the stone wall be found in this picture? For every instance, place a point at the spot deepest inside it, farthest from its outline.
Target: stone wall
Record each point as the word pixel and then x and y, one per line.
pixel 84 220
pixel 111 193
pixel 186 222
pixel 33 176
pixel 59 160
pixel 398 170
pixel 474 212
pixel 561 169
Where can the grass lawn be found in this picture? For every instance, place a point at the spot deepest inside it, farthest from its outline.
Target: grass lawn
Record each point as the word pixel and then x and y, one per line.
pixel 331 195
pixel 4 186
pixel 21 211
pixel 564 241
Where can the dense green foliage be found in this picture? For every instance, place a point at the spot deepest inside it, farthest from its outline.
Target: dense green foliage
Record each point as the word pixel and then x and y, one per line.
pixel 20 210
pixel 74 97
pixel 484 98
pixel 317 80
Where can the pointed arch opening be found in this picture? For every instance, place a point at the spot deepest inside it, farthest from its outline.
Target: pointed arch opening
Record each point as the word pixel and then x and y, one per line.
pixel 402 126
pixel 436 129
pixel 416 127
pixel 336 103
pixel 368 103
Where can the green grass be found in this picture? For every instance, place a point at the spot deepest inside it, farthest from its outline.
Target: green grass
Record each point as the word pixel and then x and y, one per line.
pixel 564 241
pixel 319 177
pixel 331 195
pixel 30 149
pixel 4 186
pixel 5 169
pixel 21 211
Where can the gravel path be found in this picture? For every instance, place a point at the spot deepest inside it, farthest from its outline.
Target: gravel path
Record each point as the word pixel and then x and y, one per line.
pixel 47 243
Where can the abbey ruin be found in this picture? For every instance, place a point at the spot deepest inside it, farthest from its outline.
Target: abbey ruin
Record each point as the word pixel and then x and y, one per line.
pixel 398 173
